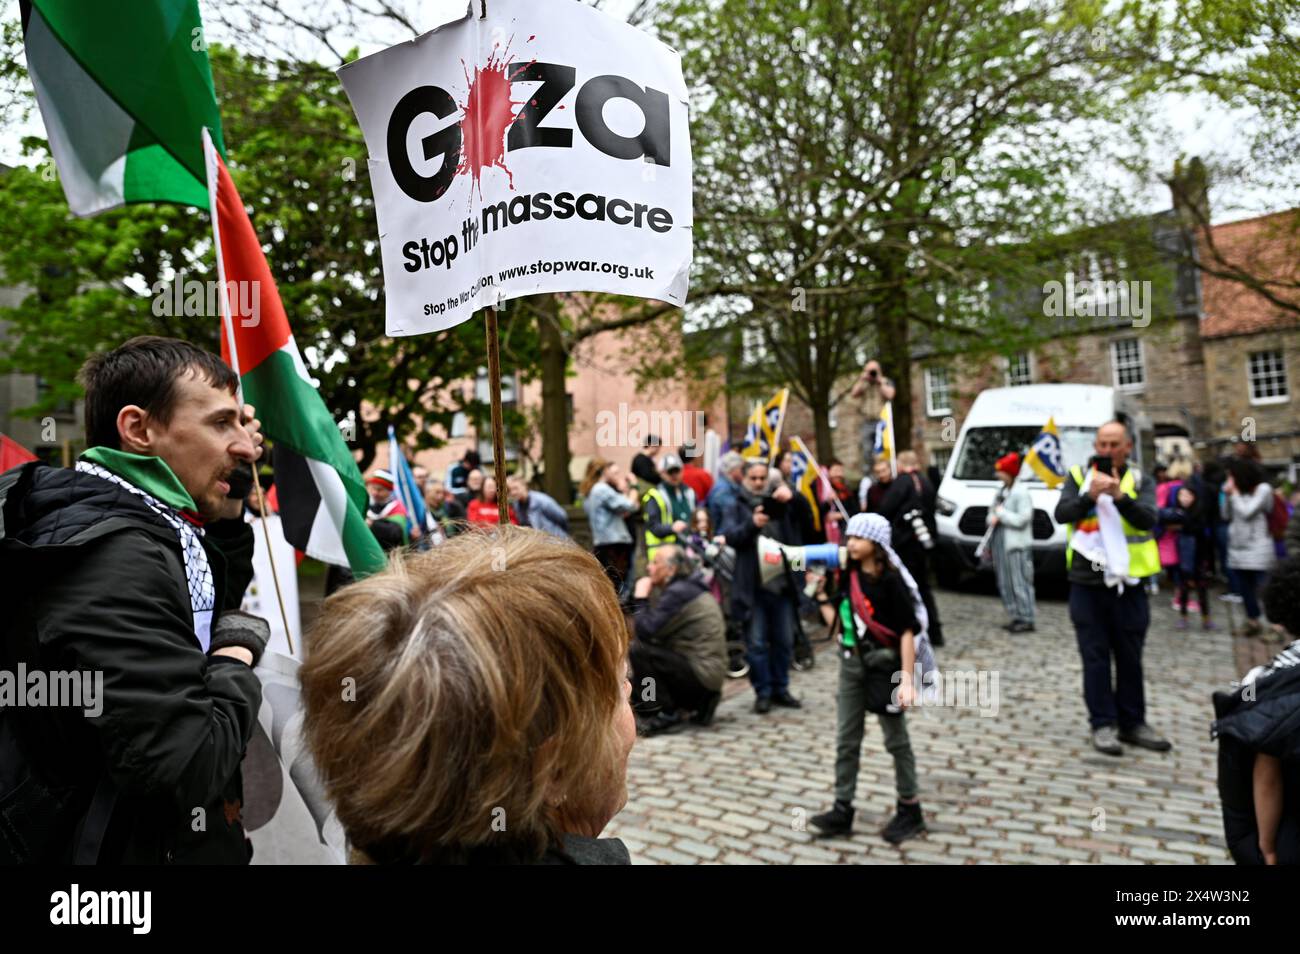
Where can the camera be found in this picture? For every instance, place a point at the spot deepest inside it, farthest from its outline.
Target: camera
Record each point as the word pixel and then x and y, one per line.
pixel 1103 464
pixel 917 520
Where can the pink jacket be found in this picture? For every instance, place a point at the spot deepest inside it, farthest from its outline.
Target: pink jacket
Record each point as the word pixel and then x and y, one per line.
pixel 1166 496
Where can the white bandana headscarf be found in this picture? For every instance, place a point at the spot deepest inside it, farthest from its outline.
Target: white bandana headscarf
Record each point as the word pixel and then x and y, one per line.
pixel 198 574
pixel 874 527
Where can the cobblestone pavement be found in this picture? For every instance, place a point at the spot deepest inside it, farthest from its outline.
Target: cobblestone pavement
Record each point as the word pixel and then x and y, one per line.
pixel 1019 786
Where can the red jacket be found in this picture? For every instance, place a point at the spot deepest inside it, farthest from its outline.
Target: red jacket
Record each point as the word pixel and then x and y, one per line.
pixel 699 480
pixel 480 511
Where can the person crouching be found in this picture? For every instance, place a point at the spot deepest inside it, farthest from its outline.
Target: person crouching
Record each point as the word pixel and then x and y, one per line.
pixel 679 656
pixel 879 615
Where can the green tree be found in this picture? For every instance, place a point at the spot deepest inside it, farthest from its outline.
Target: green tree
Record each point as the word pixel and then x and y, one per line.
pixel 296 157
pixel 1243 55
pixel 868 173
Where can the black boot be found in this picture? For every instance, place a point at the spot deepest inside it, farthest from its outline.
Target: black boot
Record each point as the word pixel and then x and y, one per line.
pixel 665 721
pixel 704 714
pixel 906 823
pixel 837 821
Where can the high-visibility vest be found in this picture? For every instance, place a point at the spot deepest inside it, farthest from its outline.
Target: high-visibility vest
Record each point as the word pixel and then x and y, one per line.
pixel 1143 551
pixel 666 508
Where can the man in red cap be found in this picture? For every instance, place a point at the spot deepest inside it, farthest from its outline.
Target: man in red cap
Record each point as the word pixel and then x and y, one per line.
pixel 386 507
pixel 1011 520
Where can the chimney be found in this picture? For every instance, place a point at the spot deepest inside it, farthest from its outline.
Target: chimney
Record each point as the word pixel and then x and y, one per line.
pixel 1189 189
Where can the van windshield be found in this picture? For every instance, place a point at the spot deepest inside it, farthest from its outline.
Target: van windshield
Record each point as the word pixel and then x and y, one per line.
pixel 982 446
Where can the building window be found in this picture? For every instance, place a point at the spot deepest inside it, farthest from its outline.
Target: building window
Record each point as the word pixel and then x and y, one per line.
pixel 459 424
pixel 62 407
pixel 939 458
pixel 1126 362
pixel 752 351
pixel 1267 373
pixel 938 397
pixel 1020 369
pixel 483 423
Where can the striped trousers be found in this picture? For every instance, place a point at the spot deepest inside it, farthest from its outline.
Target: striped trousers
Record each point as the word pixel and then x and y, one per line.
pixel 1015 571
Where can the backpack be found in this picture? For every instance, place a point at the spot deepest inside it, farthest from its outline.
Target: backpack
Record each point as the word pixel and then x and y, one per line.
pixel 1277 517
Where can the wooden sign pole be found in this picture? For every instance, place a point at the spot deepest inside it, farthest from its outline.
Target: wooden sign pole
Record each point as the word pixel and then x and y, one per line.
pixel 498 428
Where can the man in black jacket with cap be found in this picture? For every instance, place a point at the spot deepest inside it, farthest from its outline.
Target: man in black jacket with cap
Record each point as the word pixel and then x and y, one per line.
pixel 129 566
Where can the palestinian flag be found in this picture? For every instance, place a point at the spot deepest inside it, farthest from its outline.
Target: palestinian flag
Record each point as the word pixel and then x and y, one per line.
pixel 12 453
pixel 322 496
pixel 122 88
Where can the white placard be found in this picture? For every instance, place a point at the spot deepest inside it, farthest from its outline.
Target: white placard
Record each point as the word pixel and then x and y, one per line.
pixel 543 148
pixel 260 598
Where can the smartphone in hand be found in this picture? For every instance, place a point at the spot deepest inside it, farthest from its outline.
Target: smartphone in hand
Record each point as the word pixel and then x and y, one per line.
pixel 1102 464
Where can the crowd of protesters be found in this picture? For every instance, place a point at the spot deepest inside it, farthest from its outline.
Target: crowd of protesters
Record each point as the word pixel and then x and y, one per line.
pixel 457 695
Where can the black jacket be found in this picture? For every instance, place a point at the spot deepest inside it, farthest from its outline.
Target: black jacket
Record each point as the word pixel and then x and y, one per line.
pixel 906 494
pixel 1140 511
pixel 1269 724
pixel 97 584
pixel 742 536
pixel 572 850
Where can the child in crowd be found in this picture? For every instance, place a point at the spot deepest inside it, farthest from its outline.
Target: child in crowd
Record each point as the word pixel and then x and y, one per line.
pixel 1187 513
pixel 880 617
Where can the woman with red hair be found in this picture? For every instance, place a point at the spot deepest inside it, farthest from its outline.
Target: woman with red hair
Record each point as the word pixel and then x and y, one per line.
pixel 1011 521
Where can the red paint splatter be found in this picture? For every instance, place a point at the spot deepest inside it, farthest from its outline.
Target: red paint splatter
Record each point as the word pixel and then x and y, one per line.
pixel 485 118
pixel 531 38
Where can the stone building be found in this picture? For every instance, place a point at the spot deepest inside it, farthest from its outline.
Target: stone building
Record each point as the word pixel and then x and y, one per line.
pixel 1251 343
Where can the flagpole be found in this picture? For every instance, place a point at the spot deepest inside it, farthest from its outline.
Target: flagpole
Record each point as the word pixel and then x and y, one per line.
pixel 893 443
pixel 209 153
pixel 780 423
pixel 498 428
pixel 824 476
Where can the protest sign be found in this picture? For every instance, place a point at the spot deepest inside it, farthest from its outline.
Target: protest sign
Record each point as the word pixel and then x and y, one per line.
pixel 542 148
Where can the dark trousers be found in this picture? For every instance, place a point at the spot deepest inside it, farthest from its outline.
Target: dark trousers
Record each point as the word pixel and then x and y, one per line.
pixel 1108 625
pixel 917 561
pixel 769 639
pixel 673 684
pixel 1249 582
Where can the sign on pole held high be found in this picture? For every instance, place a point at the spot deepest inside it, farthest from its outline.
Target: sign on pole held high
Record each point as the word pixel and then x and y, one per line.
pixel 540 148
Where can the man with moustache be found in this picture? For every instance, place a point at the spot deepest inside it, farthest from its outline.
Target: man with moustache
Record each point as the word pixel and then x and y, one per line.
pixel 133 564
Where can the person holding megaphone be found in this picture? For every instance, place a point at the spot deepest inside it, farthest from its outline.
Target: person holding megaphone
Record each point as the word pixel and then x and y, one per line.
pixel 877 611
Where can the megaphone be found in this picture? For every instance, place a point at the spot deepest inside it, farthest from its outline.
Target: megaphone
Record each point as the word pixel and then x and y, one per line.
pixel 773 557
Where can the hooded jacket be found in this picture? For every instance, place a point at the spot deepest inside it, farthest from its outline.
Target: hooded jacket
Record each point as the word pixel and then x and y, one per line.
pixel 1261 716
pixel 738 527
pixel 97 584
pixel 687 619
pixel 1250 546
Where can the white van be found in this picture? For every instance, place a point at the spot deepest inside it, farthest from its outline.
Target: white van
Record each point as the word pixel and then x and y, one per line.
pixel 1008 419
